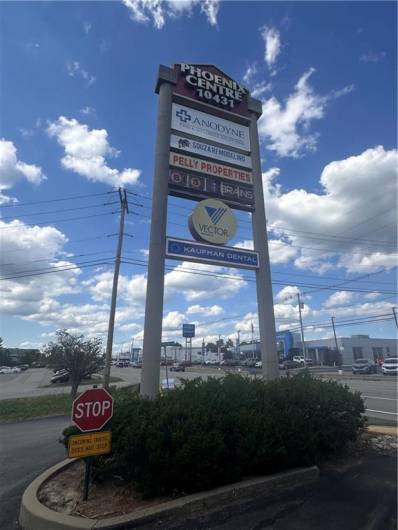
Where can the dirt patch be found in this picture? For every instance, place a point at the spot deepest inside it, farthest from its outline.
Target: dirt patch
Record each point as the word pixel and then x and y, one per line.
pixel 64 493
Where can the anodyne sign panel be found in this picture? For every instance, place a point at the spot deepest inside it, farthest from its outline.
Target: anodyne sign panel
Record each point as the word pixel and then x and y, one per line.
pixel 192 251
pixel 208 167
pixel 210 127
pixel 210 151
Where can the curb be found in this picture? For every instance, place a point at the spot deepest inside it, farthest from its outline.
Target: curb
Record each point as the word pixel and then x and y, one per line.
pixel 382 429
pixel 35 516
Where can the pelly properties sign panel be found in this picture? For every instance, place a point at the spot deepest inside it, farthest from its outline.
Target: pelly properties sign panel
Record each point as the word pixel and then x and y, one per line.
pixel 207 126
pixel 191 251
pixel 210 168
pixel 197 187
pixel 210 151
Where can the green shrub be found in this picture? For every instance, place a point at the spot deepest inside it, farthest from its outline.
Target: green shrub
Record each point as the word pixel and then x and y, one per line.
pixel 208 433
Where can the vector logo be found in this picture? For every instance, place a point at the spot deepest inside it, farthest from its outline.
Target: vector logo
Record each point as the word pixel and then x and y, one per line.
pixel 213 222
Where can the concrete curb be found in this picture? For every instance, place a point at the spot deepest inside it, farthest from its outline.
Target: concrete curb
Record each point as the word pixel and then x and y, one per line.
pixel 35 516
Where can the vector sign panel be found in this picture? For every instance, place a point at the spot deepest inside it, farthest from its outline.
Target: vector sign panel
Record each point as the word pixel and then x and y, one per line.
pixel 210 127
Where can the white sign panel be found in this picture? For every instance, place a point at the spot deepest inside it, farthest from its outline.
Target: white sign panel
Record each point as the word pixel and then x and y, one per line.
pixel 210 127
pixel 210 151
pixel 210 168
pixel 212 221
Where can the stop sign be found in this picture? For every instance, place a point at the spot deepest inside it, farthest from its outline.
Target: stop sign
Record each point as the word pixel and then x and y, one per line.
pixel 92 409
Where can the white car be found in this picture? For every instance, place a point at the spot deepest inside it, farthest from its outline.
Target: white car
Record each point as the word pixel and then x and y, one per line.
pixel 5 370
pixel 15 370
pixel 259 364
pixel 299 359
pixel 390 366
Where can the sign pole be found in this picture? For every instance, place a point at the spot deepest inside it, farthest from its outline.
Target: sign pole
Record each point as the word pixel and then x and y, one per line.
pixel 265 304
pixel 87 462
pixel 157 247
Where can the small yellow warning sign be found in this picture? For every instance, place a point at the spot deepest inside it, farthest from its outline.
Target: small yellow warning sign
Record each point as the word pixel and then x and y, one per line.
pixel 90 444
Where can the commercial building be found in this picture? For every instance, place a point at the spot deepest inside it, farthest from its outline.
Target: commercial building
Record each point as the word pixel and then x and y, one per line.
pixel 352 348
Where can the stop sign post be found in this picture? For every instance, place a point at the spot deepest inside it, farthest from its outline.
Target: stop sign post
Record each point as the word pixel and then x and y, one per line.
pixel 90 412
pixel 92 409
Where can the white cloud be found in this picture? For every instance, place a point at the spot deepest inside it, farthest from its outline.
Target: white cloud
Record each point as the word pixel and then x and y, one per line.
pixel 279 251
pixel 74 69
pixel 260 88
pixel 88 111
pixel 173 321
pixel 372 57
pixel 349 219
pixel 339 298
pixel 201 287
pixel 208 311
pixel 288 293
pixel 285 128
pixel 251 71
pixel 86 151
pixel 42 245
pixel 272 43
pixel 13 170
pixel 158 11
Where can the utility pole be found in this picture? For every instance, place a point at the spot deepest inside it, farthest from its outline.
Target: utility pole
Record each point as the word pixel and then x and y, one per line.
pixel 124 208
pixel 394 311
pixel 238 345
pixel 335 338
pixel 252 327
pixel 219 348
pixel 301 306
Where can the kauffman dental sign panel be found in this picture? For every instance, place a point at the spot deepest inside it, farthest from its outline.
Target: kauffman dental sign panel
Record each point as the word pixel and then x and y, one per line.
pixel 192 121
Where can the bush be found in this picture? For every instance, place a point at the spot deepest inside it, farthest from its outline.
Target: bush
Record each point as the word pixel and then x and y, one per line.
pixel 208 433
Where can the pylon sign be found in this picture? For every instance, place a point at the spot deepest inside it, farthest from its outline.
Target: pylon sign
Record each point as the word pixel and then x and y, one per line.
pixel 208 151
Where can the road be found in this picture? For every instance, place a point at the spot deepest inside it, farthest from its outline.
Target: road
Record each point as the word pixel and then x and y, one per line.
pixel 26 449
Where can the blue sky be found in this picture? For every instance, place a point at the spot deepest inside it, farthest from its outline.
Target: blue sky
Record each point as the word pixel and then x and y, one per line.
pixel 78 115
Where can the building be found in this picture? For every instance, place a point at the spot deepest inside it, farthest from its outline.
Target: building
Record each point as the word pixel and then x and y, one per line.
pixel 352 348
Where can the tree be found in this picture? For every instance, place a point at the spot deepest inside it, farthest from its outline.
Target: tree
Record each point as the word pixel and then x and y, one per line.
pixel 80 357
pixel 4 355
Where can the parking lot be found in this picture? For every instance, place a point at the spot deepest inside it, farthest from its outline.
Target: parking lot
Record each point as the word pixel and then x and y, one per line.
pixel 379 393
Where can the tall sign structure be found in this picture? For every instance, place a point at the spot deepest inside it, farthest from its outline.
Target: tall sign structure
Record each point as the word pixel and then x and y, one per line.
pixel 207 150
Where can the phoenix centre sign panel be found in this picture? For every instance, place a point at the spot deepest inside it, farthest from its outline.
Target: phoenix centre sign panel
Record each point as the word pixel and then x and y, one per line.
pixel 209 127
pixel 210 151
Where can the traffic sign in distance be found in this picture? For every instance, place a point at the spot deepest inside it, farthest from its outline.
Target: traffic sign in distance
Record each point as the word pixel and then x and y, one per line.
pixel 92 409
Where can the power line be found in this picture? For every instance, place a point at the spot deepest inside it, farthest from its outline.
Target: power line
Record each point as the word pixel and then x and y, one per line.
pixel 83 265
pixel 58 199
pixel 8 227
pixel 31 214
pixel 66 243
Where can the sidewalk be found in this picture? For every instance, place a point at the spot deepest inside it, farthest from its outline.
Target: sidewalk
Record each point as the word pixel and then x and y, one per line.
pixel 360 497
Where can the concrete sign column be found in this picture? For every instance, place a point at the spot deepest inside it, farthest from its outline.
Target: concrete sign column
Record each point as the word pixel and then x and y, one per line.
pixel 265 302
pixel 155 283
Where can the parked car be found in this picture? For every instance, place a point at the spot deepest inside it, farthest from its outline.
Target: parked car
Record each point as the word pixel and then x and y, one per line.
pixel 23 367
pixel 15 370
pixel 287 364
pixel 299 359
pixel 5 370
pixel 364 366
pixel 390 366
pixel 177 367
pixel 137 364
pixel 123 364
pixel 259 364
pixel 61 377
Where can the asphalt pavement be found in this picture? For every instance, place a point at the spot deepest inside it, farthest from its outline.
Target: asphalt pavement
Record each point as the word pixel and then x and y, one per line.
pixel 26 449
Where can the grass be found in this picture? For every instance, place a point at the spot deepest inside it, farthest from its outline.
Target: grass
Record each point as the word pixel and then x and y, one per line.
pixel 24 408
pixel 36 407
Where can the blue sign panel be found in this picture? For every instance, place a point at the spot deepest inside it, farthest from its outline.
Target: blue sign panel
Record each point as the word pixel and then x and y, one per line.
pixel 188 330
pixel 229 256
